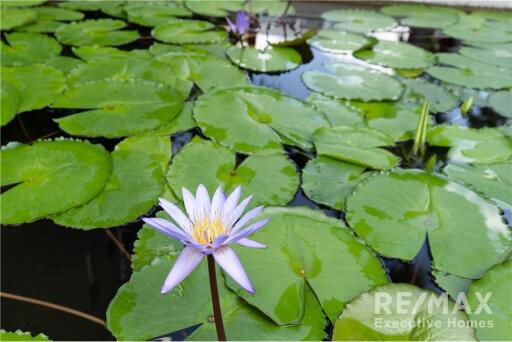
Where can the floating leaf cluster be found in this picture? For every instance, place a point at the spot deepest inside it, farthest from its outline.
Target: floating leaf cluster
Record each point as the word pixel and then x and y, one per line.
pixel 121 107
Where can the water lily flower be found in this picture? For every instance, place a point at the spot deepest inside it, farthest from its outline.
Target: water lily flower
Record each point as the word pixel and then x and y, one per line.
pixel 241 24
pixel 207 229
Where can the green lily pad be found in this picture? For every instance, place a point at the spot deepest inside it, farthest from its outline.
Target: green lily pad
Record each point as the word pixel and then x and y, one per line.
pixel 155 13
pixel 440 99
pixel 63 63
pixel 337 112
pixel 352 81
pixel 452 285
pixel 14 17
pixel 272 59
pixel 329 181
pixel 10 98
pixel 139 301
pixel 19 335
pixel 340 41
pixel 501 102
pixel 463 62
pixel 34 87
pixel 220 8
pixel 408 316
pixel 396 55
pixel 389 118
pixel 284 38
pixel 271 178
pixel 472 145
pixel 118 108
pixel 305 247
pixel 208 72
pixel 96 32
pixel 424 16
pixel 183 122
pixel 28 48
pixel 22 3
pixel 136 182
pixel 218 49
pixel 358 146
pixel 88 53
pixel 45 177
pixel 497 282
pixel 188 32
pixel 127 68
pixel 494 180
pixel 485 77
pixel 152 247
pixel 258 119
pixel 494 55
pixel 110 7
pixel 49 19
pixel 474 28
pixel 417 204
pixel 359 20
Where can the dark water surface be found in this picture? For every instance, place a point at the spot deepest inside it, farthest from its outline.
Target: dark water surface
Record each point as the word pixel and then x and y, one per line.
pixel 83 270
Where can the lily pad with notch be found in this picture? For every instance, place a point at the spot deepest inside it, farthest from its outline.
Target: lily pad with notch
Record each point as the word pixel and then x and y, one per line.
pixel 189 32
pixel 136 182
pixel 351 81
pixel 139 301
pixel 329 181
pixel 96 32
pixel 44 177
pixel 117 108
pixel 258 119
pixel 271 178
pixel 272 59
pixel 360 146
pixel 32 87
pixel 28 48
pixel 305 248
pixel 417 205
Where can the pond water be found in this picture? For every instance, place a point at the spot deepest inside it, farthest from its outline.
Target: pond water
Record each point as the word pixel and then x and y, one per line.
pixel 83 270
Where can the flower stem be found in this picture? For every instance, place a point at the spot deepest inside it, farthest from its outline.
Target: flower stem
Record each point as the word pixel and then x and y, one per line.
pixel 217 314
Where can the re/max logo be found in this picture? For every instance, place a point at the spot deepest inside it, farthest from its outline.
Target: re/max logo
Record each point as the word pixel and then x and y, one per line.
pixel 402 303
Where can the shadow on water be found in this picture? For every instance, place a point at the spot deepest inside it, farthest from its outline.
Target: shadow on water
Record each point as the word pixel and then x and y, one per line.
pixel 83 270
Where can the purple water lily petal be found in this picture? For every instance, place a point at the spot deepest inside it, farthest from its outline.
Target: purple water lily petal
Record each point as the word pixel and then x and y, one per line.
pixel 176 214
pixel 167 228
pixel 247 231
pixel 190 204
pixel 228 260
pixel 231 202
pixel 242 22
pixel 246 218
pixel 250 243
pixel 232 26
pixel 235 214
pixel 203 199
pixel 186 262
pixel 217 202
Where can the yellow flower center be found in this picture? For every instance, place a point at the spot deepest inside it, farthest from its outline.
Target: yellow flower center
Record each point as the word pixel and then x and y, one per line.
pixel 206 230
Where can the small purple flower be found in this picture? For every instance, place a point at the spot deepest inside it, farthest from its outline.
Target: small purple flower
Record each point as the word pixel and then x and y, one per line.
pixel 241 25
pixel 208 229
